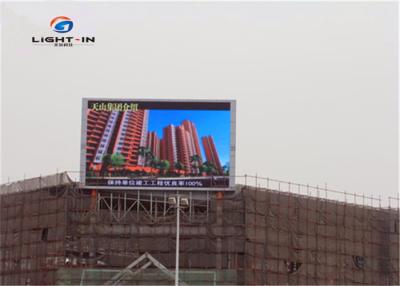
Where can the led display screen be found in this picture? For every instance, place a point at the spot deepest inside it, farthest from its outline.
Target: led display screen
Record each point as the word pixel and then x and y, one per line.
pixel 158 144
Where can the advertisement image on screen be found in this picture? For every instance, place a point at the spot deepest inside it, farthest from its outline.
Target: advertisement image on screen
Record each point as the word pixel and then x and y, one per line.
pixel 157 144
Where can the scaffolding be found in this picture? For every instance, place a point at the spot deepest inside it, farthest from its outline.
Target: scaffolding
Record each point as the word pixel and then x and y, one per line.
pixel 267 231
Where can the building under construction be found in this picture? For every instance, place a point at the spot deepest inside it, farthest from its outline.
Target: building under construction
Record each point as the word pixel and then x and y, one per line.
pixel 53 231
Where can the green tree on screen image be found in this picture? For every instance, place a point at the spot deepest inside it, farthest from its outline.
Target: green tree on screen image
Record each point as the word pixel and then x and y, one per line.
pixel 106 162
pixel 155 162
pixel 164 165
pixel 225 169
pixel 149 158
pixel 195 160
pixel 142 151
pixel 179 166
pixel 146 154
pixel 208 168
pixel 117 159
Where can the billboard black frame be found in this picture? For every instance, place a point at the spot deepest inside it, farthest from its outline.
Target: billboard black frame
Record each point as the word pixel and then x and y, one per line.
pixel 174 104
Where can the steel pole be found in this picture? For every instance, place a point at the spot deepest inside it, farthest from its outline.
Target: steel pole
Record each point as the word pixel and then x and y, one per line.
pixel 178 200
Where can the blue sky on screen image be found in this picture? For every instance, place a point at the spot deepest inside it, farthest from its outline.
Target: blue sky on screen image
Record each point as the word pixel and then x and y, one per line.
pixel 208 122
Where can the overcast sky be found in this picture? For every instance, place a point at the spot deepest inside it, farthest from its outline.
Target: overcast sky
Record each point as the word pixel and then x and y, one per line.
pixel 315 83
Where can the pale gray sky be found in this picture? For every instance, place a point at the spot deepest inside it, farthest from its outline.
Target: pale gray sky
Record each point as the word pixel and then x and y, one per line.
pixel 315 83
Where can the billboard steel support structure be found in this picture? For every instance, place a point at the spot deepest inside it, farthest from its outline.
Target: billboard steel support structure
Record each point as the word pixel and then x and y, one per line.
pixel 153 208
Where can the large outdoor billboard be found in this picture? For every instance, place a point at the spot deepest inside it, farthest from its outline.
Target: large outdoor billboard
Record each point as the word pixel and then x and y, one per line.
pixel 158 144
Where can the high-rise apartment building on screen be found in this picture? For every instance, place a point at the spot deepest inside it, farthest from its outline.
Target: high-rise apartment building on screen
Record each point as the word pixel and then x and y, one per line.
pixel 211 152
pixel 131 134
pixel 154 144
pixel 180 144
pixel 96 125
pixel 193 137
pixel 111 132
pixel 117 132
pixel 169 148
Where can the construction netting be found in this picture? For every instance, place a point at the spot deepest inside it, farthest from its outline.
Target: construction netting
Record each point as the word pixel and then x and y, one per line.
pixel 292 239
pixel 36 183
pixel 57 233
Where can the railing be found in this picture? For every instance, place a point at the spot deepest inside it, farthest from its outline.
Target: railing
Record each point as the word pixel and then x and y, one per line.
pixel 318 192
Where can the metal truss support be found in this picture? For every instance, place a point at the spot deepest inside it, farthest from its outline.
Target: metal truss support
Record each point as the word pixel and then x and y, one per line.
pixel 150 207
pixel 128 273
